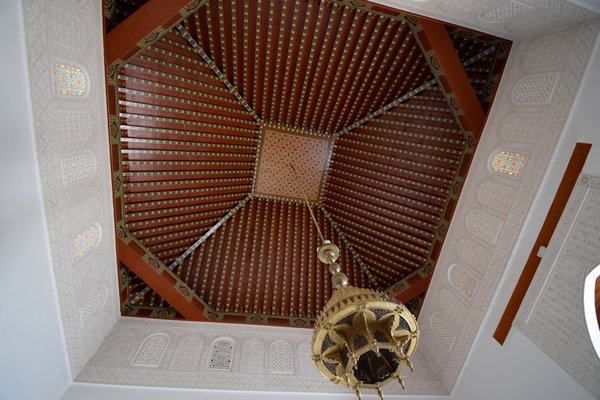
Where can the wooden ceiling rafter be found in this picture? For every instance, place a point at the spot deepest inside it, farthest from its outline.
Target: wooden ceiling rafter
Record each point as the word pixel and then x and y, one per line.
pixel 349 246
pixel 163 281
pixel 177 262
pixel 215 68
pixel 401 158
pixel 408 95
pixel 450 73
pixel 144 26
pixel 133 253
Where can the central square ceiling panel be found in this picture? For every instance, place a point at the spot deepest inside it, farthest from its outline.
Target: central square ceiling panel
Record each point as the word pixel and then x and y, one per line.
pixel 279 152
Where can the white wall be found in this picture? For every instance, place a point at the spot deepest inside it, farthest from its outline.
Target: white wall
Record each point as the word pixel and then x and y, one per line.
pixel 519 369
pixel 33 359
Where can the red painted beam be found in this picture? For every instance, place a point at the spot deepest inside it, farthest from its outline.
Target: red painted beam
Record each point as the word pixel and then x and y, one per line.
pixel 163 282
pixel 122 42
pixel 415 289
pixel 453 78
pixel 563 193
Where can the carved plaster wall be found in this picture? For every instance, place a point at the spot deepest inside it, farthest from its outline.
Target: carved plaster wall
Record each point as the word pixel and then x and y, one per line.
pixel 552 314
pixel 67 91
pixel 218 356
pixel 540 80
pixel 513 19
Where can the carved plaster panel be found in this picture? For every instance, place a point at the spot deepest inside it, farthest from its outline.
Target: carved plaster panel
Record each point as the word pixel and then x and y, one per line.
pixel 513 19
pixel 71 138
pixel 552 314
pixel 152 350
pixel 485 240
pixel 286 349
pixel 188 353
pixel 496 196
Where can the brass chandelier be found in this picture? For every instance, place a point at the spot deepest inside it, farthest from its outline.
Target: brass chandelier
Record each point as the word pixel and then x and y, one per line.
pixel 363 338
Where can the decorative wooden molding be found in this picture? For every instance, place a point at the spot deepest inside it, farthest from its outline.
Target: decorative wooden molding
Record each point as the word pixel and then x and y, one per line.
pixel 449 71
pixel 559 203
pixel 144 26
pixel 162 280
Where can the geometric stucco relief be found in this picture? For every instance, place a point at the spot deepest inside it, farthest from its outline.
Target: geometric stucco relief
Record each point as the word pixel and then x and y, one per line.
pixel 452 306
pixel 253 355
pixel 188 353
pixel 72 150
pixel 535 89
pixel 221 355
pixel 497 196
pixel 152 350
pixel 505 12
pixel 476 255
pixel 281 357
pixel 552 314
pixel 522 127
pixel 443 331
pixel 78 167
pixel 483 225
pixel 462 280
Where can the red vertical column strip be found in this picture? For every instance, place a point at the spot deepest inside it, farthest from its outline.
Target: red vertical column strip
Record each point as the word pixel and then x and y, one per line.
pixel 557 207
pixel 452 76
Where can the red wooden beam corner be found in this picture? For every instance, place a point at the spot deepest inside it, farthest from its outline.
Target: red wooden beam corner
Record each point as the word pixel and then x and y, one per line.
pixel 162 283
pixel 122 42
pixel 434 37
pixel 415 289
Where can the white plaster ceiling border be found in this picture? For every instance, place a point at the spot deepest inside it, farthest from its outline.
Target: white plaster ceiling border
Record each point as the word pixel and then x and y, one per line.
pixel 72 147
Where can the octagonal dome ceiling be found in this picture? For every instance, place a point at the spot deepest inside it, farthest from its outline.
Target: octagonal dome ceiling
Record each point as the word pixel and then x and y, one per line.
pixel 211 116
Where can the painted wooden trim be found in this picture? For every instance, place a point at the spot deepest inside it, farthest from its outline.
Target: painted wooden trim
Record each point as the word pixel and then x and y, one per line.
pixel 124 41
pixel 559 203
pixel 452 75
pixel 162 281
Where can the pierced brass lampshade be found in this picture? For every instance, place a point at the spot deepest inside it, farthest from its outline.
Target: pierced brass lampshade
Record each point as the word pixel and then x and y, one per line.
pixel 362 338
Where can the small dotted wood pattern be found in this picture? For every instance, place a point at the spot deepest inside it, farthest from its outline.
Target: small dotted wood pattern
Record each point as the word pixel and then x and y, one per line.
pixel 280 152
pixel 216 111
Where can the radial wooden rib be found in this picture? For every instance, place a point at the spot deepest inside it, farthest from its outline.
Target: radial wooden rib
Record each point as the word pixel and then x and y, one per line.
pixel 146 22
pixel 262 262
pixel 313 66
pixel 188 150
pixel 149 305
pixel 352 90
pixel 485 73
pixel 264 34
pixel 123 9
pixel 292 64
pixel 161 279
pixel 316 88
pixel 306 59
pixel 187 147
pixel 388 182
pixel 451 75
pixel 351 59
pixel 333 66
pixel 217 53
pixel 398 38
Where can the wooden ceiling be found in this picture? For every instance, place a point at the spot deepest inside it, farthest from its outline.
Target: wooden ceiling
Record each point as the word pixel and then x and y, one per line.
pixel 188 107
